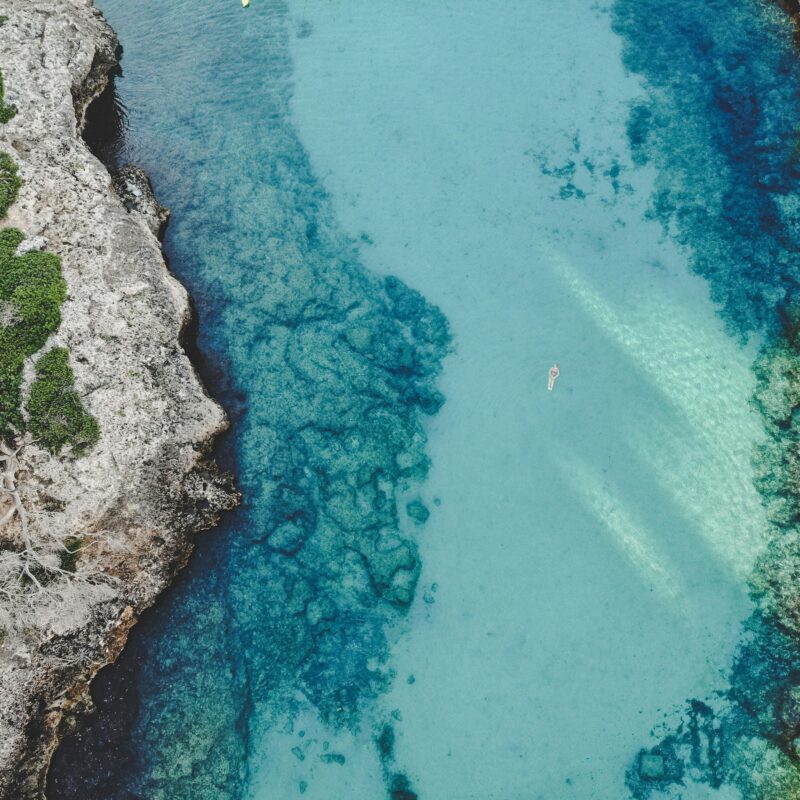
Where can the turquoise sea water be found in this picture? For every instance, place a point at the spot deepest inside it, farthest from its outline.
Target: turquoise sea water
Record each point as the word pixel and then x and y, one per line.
pixel 380 205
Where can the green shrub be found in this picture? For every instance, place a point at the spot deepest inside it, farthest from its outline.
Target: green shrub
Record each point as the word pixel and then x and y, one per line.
pixel 32 290
pixel 7 112
pixel 57 418
pixel 9 183
pixel 31 293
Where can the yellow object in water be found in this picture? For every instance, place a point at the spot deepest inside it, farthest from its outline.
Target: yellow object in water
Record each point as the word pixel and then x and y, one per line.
pixel 245 3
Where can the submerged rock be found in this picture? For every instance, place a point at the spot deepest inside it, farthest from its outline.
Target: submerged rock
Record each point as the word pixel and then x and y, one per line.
pixel 790 711
pixel 651 766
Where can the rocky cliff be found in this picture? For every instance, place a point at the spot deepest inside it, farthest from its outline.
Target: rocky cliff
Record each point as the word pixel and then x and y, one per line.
pixel 134 501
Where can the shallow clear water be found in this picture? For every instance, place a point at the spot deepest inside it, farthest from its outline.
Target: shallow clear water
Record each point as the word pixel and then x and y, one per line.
pixel 501 596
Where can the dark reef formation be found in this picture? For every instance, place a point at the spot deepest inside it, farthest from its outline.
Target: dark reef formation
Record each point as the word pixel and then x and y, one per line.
pixel 296 595
pixel 719 123
pixel 328 371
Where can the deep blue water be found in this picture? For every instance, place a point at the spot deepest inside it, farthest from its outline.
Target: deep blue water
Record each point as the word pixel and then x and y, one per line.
pixel 501 596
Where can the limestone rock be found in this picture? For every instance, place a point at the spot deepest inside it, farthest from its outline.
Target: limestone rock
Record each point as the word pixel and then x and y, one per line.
pixel 150 482
pixel 134 189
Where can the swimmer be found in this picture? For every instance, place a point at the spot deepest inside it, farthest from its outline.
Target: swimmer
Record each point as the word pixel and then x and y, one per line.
pixel 551 377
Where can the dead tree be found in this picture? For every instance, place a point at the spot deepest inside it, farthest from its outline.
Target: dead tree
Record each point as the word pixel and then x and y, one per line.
pixel 31 557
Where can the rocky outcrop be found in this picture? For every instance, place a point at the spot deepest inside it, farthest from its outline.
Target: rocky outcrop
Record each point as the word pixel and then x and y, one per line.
pixel 134 189
pixel 149 483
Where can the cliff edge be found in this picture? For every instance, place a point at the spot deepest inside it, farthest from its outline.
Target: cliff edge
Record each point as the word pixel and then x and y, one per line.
pixel 132 502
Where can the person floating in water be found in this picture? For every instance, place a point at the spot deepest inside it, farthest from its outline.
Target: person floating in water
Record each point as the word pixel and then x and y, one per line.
pixel 551 377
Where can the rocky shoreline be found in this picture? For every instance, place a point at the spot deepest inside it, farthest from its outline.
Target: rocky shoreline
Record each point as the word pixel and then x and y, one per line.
pixel 150 483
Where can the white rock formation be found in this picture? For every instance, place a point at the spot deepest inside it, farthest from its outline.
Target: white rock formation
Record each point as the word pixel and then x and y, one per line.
pixel 137 497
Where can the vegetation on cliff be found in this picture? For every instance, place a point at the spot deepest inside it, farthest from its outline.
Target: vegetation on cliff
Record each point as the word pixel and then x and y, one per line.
pixel 31 293
pixel 57 417
pixel 9 180
pixel 7 111
pixel 9 183
pixel 32 290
